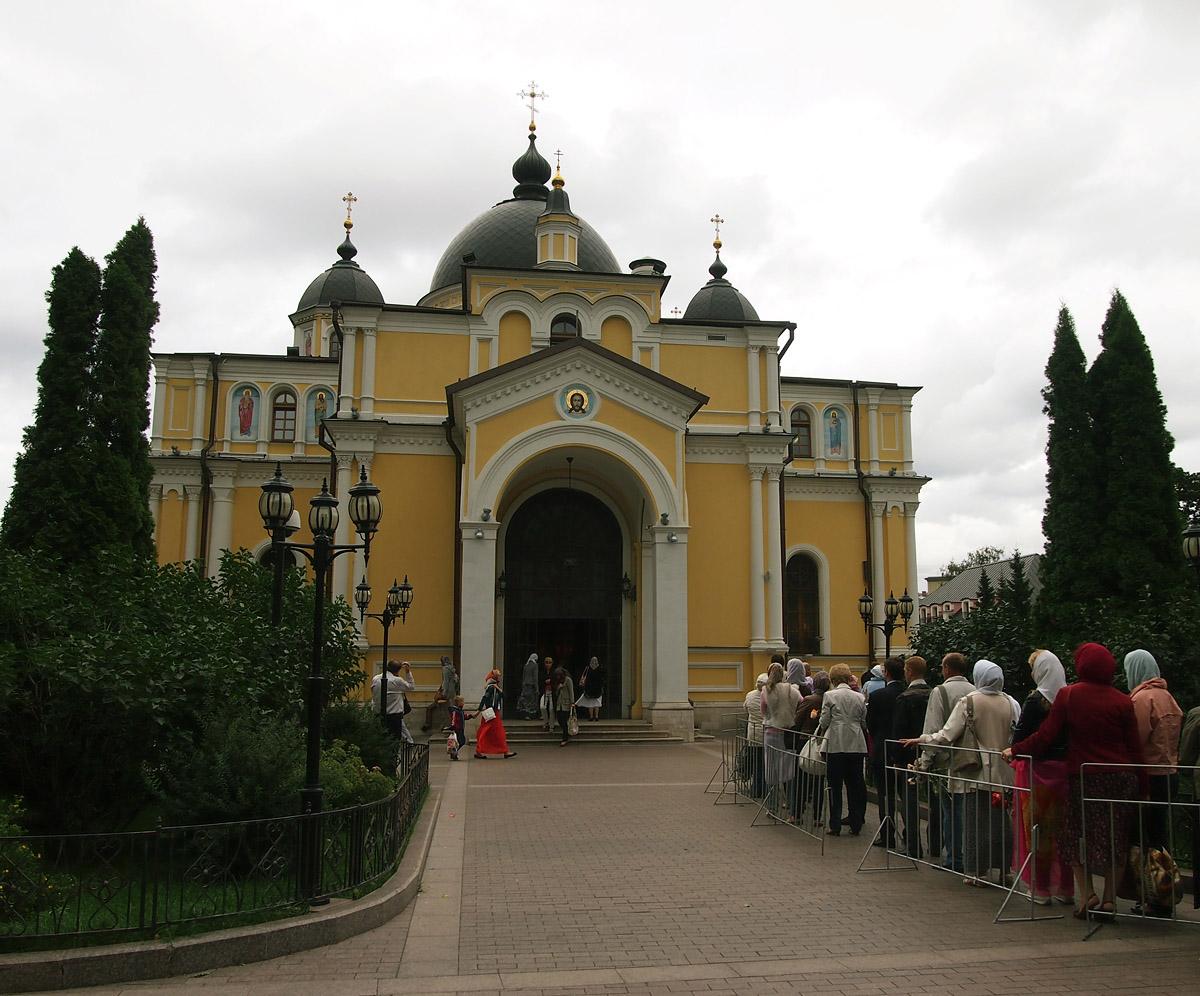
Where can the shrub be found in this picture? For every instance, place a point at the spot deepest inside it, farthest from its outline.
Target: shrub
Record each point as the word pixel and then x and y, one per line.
pixel 347 781
pixel 356 725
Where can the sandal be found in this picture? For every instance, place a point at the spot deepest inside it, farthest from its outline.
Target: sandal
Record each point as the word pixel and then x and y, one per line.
pixel 1104 912
pixel 1091 903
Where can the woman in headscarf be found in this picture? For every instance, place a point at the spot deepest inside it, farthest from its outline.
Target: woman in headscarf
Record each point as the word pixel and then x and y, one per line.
pixel 527 704
pixel 810 787
pixel 1159 720
pixel 592 683
pixel 797 674
pixel 491 738
pixel 1041 799
pixel 1101 729
pixel 990 714
pixel 778 707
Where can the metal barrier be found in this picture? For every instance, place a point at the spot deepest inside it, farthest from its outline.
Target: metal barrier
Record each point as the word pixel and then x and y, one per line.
pixel 740 771
pixel 1139 840
pixel 110 884
pixel 990 830
pixel 796 792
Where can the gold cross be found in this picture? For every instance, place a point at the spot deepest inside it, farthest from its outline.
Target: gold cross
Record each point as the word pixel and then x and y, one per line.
pixel 718 221
pixel 675 312
pixel 533 96
pixel 349 199
pixel 558 154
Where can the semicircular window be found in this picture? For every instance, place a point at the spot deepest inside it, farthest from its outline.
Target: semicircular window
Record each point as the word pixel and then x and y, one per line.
pixel 564 326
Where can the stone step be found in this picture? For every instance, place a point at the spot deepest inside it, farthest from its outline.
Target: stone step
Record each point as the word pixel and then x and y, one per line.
pixel 608 731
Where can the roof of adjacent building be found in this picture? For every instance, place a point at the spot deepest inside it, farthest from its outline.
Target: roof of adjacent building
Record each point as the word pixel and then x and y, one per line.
pixel 966 585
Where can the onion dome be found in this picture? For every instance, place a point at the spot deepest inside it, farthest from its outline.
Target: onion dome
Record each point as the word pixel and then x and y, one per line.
pixel 345 281
pixel 558 202
pixel 504 235
pixel 718 300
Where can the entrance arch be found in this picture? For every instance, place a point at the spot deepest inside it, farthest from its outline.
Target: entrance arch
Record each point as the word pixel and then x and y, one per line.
pixel 563 569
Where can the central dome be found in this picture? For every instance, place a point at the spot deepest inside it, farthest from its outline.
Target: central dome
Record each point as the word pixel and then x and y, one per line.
pixel 504 234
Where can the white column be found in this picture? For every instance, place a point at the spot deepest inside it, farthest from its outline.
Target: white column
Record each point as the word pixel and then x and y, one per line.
pixel 160 404
pixel 346 398
pixel 910 547
pixel 341 566
pixel 906 436
pixel 221 537
pixel 775 417
pixel 878 591
pixel 774 560
pixel 670 708
pixel 156 496
pixel 753 390
pixel 368 371
pixel 199 409
pixel 647 607
pixel 191 547
pixel 477 638
pixel 757 633
pixel 873 432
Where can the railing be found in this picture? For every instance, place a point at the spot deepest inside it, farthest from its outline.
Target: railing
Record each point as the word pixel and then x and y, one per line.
pixel 740 772
pixel 796 792
pixel 65 886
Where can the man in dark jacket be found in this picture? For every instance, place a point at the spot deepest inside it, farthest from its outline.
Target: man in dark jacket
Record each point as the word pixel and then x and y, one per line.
pixel 908 720
pixel 881 707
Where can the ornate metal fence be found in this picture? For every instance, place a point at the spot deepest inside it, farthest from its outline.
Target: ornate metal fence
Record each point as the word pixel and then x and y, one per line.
pixel 110 884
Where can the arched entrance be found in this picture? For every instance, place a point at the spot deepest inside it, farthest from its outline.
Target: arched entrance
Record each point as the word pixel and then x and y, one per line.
pixel 563 568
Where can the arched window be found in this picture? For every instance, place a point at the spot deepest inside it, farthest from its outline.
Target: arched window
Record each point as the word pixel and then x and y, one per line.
pixel 564 326
pixel 802 429
pixel 283 417
pixel 803 601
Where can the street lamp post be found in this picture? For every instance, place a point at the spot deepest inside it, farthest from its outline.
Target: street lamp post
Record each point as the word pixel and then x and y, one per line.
pixel 1191 544
pixel 399 601
pixel 275 505
pixel 893 607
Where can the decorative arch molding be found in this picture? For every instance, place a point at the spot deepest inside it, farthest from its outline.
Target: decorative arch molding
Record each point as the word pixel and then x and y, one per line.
pixel 507 465
pixel 822 562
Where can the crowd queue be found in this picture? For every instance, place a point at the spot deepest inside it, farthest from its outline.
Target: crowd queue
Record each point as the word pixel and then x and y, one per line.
pixel 963 746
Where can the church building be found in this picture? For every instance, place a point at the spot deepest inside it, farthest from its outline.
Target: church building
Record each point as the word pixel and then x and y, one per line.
pixel 565 468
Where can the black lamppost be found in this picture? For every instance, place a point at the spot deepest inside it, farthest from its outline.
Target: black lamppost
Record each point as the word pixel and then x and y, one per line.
pixel 893 607
pixel 399 601
pixel 275 505
pixel 1191 544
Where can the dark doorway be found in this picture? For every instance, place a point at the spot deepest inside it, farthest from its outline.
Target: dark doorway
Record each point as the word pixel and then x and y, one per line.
pixel 562 563
pixel 802 595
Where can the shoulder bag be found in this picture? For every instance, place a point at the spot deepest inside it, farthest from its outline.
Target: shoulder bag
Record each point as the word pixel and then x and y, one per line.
pixel 811 761
pixel 572 724
pixel 966 762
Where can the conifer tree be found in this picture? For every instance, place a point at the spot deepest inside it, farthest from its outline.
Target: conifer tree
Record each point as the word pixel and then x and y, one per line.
pixel 1073 510
pixel 1137 541
pixel 49 473
pixel 986 593
pixel 121 381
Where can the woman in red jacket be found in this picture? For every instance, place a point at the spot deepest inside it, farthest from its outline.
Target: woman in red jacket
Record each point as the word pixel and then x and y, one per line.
pixel 1102 729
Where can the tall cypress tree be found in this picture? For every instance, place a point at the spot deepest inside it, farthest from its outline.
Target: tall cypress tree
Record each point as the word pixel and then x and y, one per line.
pixel 985 594
pixel 1138 539
pixel 1073 508
pixel 121 382
pixel 49 473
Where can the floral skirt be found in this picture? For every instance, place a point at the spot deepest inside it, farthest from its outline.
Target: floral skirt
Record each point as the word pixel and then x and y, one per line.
pixel 1102 828
pixel 1041 801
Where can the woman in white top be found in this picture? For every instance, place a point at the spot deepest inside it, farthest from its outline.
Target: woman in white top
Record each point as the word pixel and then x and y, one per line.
pixel 843 717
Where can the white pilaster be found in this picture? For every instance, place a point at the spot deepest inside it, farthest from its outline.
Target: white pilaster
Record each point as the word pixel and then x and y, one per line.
pixel 873 432
pixel 648 608
pixel 368 371
pixel 478 603
pixel 341 566
pixel 753 390
pixel 346 398
pixel 221 537
pixel 774 415
pixel 774 560
pixel 160 405
pixel 156 497
pixel 757 632
pixel 199 407
pixel 878 554
pixel 910 547
pixel 191 548
pixel 906 441
pixel 670 708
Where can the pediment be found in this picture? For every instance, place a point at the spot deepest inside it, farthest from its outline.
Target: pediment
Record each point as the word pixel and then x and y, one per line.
pixel 578 379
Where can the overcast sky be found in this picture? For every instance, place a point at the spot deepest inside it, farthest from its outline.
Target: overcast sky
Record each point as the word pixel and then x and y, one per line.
pixel 917 185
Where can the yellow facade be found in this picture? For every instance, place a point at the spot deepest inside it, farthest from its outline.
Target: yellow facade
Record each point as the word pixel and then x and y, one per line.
pixel 563 469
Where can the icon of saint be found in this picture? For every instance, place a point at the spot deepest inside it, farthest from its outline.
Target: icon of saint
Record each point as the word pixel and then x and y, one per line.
pixel 245 411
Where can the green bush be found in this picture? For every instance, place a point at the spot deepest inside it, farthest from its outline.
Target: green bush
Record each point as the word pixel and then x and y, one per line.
pixel 25 888
pixel 347 781
pixel 355 724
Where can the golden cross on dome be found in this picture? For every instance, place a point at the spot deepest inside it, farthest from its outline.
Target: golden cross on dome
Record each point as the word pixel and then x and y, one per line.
pixel 676 312
pixel 533 96
pixel 558 154
pixel 717 221
pixel 349 199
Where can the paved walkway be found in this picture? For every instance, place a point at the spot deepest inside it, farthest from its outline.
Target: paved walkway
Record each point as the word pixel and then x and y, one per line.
pixel 606 870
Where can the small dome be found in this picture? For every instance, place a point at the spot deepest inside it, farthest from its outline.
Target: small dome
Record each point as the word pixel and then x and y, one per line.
pixel 345 281
pixel 504 235
pixel 718 300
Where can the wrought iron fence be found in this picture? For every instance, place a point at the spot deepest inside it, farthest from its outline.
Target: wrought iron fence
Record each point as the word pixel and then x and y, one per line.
pixel 136 883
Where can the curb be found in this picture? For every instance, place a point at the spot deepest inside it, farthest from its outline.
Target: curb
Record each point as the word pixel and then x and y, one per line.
pixel 109 964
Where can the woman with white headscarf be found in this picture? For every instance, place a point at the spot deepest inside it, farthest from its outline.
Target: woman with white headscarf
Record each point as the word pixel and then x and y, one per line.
pixel 1041 799
pixel 989 712
pixel 528 705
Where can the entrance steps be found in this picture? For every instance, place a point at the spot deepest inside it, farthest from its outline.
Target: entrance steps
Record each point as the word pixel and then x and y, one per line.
pixel 605 731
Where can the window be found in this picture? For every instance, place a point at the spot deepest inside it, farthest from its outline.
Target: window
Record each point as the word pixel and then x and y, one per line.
pixel 283 417
pixel 564 327
pixel 802 428
pixel 802 600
